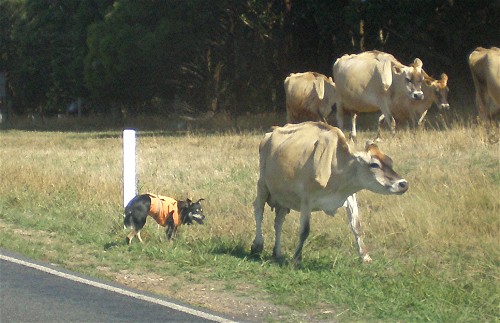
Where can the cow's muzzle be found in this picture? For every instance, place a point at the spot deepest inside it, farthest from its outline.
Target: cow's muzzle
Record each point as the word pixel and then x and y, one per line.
pixel 444 106
pixel 399 187
pixel 417 95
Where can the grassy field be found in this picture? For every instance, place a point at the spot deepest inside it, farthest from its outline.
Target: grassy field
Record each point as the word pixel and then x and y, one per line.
pixel 436 248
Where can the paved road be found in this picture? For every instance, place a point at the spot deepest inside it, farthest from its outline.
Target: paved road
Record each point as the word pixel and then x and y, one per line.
pixel 35 292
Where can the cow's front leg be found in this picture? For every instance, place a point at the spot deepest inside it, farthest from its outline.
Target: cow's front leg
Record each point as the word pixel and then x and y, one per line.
pixel 305 216
pixel 351 206
pixel 420 122
pixel 278 225
pixel 258 211
pixel 391 123
pixel 353 135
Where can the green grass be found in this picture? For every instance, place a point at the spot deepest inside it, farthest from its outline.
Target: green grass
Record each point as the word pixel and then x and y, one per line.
pixel 435 249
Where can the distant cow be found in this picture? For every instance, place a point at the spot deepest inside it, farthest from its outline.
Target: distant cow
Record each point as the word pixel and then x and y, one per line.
pixel 373 81
pixel 309 97
pixel 435 91
pixel 485 68
pixel 309 167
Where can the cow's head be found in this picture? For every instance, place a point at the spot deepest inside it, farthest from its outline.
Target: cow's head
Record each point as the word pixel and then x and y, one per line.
pixel 440 88
pixel 413 78
pixel 377 174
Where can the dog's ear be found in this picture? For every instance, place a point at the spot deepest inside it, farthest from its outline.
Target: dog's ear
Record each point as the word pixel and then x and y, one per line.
pixel 200 200
pixel 182 204
pixel 188 200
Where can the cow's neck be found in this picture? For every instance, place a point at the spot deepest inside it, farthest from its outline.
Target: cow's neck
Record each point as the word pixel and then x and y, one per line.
pixel 345 179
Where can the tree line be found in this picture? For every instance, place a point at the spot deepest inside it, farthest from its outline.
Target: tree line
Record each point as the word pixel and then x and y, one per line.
pixel 219 55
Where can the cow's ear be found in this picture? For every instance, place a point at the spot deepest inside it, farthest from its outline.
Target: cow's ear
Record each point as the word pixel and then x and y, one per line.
pixel 319 85
pixel 374 151
pixel 322 161
pixel 444 79
pixel 385 68
pixel 398 69
pixel 369 144
pixel 418 63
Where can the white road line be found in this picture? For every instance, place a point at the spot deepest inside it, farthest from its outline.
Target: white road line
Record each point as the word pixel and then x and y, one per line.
pixel 118 290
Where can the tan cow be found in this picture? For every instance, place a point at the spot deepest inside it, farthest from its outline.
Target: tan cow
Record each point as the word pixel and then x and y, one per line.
pixel 309 97
pixel 375 81
pixel 485 68
pixel 309 167
pixel 435 91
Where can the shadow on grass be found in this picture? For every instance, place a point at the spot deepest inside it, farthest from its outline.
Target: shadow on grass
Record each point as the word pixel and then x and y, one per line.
pixel 114 244
pixel 242 252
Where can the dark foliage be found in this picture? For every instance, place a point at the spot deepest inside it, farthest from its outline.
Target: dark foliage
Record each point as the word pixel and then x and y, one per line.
pixel 195 56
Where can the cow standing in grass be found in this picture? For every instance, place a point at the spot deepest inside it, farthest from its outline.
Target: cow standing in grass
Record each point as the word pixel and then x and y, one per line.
pixel 375 81
pixel 310 96
pixel 414 112
pixel 485 68
pixel 309 167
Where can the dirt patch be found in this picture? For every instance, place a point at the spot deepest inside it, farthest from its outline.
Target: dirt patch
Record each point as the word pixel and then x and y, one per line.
pixel 242 303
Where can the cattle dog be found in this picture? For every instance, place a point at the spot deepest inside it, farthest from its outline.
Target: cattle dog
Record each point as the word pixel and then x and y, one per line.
pixel 166 211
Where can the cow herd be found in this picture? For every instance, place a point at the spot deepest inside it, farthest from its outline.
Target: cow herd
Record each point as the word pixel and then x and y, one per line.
pixel 307 165
pixel 375 81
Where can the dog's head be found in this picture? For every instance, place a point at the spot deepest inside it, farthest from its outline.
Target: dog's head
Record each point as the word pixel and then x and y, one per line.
pixel 190 211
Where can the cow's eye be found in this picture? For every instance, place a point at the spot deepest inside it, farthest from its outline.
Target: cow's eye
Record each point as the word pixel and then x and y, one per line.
pixel 374 165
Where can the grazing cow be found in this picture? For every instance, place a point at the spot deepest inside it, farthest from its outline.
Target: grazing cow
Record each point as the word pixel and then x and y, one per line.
pixel 435 91
pixel 373 81
pixel 485 68
pixel 309 167
pixel 309 97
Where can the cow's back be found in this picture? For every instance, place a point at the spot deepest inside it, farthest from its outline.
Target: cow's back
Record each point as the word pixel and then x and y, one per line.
pixel 286 160
pixel 360 79
pixel 298 91
pixel 302 97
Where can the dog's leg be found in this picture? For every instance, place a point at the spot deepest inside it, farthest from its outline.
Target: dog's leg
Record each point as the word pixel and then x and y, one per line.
pixel 170 231
pixel 131 236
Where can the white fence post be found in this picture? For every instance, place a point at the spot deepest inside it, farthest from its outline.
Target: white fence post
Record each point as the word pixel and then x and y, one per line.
pixel 129 161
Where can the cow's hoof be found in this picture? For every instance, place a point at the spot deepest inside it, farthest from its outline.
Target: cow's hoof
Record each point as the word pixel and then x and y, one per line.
pixel 297 262
pixel 256 248
pixel 367 259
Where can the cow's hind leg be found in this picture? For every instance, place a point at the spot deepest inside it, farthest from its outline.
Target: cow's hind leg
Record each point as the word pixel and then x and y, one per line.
pixel 351 206
pixel 389 120
pixel 258 206
pixel 305 216
pixel 278 225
